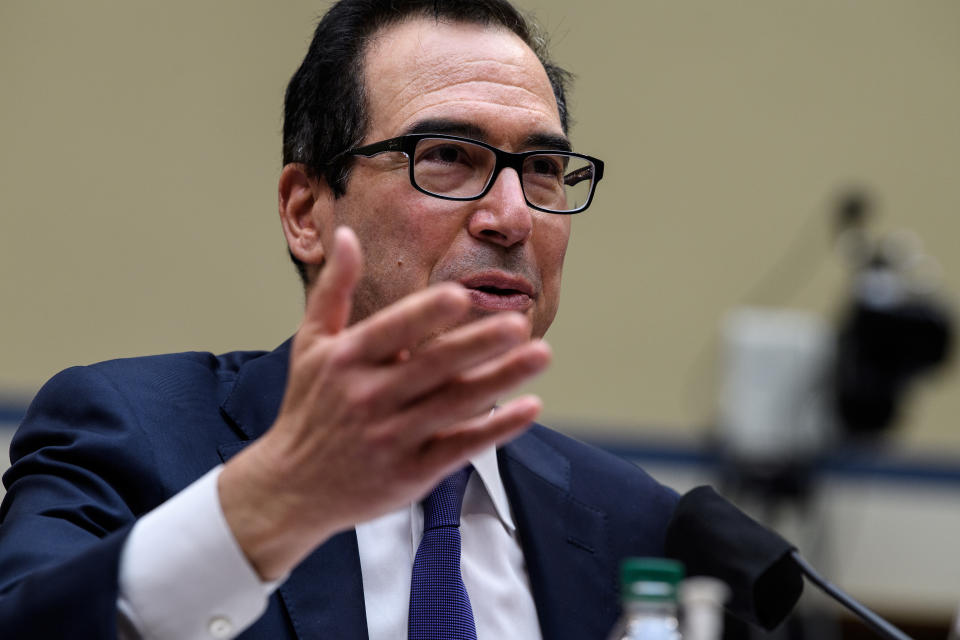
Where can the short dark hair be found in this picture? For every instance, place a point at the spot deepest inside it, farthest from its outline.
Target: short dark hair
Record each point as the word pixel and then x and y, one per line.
pixel 325 109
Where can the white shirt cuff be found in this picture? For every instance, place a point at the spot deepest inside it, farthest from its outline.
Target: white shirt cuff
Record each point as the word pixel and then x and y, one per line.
pixel 183 575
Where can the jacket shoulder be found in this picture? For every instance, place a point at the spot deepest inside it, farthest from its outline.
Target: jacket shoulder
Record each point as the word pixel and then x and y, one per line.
pixel 177 373
pixel 150 407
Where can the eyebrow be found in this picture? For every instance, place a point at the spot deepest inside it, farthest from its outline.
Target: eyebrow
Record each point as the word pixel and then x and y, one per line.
pixel 469 130
pixel 548 141
pixel 448 127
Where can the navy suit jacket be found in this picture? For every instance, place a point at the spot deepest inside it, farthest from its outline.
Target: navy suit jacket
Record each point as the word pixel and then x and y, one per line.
pixel 102 445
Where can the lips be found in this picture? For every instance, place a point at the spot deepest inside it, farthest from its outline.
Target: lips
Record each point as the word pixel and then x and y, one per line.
pixel 499 291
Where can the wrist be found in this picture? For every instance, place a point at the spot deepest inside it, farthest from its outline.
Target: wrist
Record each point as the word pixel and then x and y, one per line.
pixel 266 519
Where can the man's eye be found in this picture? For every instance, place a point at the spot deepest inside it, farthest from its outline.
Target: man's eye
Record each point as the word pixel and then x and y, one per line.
pixel 546 167
pixel 446 154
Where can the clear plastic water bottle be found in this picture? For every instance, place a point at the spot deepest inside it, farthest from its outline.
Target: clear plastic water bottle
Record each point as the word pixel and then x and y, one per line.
pixel 701 605
pixel 648 592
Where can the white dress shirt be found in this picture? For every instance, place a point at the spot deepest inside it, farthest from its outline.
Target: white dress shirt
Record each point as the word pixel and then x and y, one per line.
pixel 197 583
pixel 492 563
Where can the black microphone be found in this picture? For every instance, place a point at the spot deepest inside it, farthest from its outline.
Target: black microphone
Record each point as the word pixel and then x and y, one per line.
pixel 712 537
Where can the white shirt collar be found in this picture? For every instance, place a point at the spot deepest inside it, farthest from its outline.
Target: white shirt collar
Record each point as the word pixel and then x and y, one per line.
pixel 485 465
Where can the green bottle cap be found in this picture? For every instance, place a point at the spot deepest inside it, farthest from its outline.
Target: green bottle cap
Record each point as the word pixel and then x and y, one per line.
pixel 651 579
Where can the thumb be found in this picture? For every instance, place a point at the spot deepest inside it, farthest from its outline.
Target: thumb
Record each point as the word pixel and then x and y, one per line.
pixel 330 301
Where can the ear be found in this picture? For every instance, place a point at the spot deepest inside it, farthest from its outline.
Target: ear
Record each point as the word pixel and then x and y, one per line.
pixel 304 204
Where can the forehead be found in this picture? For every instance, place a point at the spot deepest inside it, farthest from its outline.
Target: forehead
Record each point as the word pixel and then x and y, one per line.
pixel 422 69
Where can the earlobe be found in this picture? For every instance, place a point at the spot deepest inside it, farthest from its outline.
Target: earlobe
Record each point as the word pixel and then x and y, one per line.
pixel 302 203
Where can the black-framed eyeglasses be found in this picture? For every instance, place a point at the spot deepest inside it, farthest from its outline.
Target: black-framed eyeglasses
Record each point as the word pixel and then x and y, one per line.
pixel 455 168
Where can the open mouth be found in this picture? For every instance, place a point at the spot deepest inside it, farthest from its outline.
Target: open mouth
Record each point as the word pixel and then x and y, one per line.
pixel 498 291
pixel 495 290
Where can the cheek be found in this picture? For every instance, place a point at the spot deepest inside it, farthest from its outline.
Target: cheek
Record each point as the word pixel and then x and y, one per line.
pixel 414 239
pixel 553 237
pixel 551 251
pixel 403 236
pixel 380 212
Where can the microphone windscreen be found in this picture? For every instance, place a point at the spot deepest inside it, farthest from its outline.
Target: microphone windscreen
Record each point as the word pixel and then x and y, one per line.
pixel 712 537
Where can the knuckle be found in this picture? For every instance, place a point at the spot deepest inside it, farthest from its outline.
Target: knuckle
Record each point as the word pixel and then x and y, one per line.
pixel 449 298
pixel 342 353
pixel 363 393
pixel 515 322
pixel 512 329
pixel 384 439
pixel 391 445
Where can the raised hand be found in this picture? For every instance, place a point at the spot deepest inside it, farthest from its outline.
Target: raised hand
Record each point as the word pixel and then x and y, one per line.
pixel 375 413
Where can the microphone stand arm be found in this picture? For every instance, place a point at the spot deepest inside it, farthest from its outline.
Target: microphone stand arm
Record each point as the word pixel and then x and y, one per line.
pixel 875 622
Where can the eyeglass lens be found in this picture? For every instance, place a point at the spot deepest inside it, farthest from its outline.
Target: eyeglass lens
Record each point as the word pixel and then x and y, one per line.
pixel 460 169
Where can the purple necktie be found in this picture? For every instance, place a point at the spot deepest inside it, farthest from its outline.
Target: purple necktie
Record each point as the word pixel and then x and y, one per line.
pixel 439 605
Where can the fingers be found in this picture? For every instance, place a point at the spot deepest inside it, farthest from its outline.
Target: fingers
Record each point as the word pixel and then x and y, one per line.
pixel 457 352
pixel 470 394
pixel 330 301
pixel 398 327
pixel 451 448
pixel 410 321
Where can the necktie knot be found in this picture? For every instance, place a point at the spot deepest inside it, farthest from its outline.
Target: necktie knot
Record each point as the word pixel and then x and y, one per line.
pixel 442 507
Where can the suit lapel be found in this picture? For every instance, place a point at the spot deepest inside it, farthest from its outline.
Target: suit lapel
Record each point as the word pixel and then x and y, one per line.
pixel 324 593
pixel 564 541
pixel 254 400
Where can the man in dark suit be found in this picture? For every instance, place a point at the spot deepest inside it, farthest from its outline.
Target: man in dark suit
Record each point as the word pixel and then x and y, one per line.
pixel 425 197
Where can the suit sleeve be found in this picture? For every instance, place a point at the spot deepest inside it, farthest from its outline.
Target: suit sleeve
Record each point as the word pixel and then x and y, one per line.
pixel 78 481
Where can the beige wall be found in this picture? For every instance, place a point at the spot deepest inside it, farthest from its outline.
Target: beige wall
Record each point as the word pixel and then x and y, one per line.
pixel 139 150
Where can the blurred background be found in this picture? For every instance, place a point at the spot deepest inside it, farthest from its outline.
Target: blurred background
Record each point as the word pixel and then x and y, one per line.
pixel 761 296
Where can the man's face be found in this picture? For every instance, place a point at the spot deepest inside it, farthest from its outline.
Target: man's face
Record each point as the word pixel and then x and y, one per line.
pixel 466 80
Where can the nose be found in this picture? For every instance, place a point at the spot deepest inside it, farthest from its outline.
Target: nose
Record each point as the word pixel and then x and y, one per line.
pixel 502 216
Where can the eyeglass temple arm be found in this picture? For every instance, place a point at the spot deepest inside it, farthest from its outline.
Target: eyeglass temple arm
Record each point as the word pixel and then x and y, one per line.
pixel 394 144
pixel 575 177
